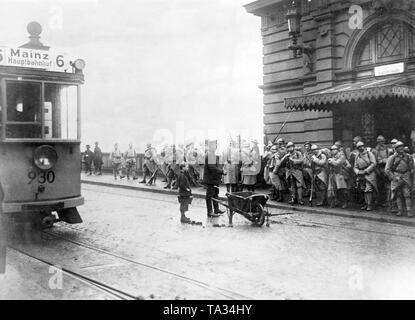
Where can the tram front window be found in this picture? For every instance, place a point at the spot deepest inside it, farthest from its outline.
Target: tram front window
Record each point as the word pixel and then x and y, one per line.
pixel 61 111
pixel 23 110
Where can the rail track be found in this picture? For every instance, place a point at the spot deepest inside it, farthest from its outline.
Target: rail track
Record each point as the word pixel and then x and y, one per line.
pixel 105 288
pixel 118 293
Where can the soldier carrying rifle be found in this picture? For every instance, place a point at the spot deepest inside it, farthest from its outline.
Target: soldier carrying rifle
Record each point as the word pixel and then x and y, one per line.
pixel 364 168
pixel 293 162
pixel 400 169
pixel 339 178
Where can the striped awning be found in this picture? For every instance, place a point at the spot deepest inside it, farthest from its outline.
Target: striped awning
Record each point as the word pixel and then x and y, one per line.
pixel 325 99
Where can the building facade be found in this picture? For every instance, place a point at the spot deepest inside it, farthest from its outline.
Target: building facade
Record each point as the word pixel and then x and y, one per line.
pixel 348 69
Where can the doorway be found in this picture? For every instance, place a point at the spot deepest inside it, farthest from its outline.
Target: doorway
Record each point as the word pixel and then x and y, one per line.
pixel 390 117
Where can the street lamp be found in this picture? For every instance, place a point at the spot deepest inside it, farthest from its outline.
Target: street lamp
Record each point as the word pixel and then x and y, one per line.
pixel 294 29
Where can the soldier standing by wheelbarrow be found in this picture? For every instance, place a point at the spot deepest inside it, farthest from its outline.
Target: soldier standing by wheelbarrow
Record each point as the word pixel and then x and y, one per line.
pixel 212 177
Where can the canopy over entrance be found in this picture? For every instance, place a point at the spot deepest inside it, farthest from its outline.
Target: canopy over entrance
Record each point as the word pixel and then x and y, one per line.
pixel 373 89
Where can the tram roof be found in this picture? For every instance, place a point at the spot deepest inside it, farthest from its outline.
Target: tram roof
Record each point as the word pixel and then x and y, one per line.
pixel 40 75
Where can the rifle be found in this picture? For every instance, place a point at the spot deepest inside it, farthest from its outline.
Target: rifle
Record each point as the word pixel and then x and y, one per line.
pixel 310 200
pixel 282 127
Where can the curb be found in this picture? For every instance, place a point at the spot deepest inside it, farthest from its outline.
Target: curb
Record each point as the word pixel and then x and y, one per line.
pixel 326 211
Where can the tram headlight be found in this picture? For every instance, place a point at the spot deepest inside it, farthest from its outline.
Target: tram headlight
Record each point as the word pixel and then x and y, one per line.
pixel 79 64
pixel 45 157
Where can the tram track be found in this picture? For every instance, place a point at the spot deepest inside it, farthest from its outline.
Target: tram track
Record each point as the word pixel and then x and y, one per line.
pixel 117 293
pixel 229 294
pixel 105 288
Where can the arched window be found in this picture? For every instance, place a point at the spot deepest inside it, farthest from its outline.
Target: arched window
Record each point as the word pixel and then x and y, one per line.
pixel 387 42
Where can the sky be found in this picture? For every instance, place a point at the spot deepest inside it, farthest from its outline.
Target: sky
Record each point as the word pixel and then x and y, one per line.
pixel 157 71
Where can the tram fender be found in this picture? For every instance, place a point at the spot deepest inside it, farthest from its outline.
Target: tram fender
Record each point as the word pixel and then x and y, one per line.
pixel 69 215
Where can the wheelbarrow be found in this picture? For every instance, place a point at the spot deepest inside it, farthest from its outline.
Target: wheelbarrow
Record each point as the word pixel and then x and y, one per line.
pixel 251 205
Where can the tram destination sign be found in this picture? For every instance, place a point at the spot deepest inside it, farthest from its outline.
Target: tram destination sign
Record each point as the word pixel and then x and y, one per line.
pixel 31 58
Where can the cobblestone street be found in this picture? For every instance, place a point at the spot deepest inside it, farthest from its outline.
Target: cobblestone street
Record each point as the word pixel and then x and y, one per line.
pixel 300 256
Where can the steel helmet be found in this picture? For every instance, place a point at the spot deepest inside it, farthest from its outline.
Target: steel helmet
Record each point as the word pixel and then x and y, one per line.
pixel 380 138
pixel 399 144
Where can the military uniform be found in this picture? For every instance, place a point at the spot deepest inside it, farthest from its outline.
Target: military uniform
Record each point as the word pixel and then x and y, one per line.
pixel 381 153
pixel 278 174
pixel 364 168
pixel 169 160
pixel 250 167
pixel 185 195
pixel 130 163
pixel 116 162
pixel 230 168
pixel 320 175
pixel 294 173
pixel 88 159
pixel 267 158
pixel 307 171
pixel 97 159
pixel 212 179
pixel 149 165
pixel 399 169
pixel 339 179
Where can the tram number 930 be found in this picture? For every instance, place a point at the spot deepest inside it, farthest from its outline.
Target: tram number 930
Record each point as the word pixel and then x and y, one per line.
pixel 42 177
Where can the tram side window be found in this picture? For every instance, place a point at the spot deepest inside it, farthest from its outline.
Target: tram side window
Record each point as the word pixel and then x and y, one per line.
pixel 23 110
pixel 60 111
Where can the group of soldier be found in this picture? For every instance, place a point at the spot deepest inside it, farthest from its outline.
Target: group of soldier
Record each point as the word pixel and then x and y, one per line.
pixel 380 176
pixel 240 161
pixel 93 159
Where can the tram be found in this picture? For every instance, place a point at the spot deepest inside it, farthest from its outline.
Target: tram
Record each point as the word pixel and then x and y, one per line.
pixel 40 122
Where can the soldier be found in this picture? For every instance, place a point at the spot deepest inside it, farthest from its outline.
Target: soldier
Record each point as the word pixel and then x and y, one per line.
pixel 319 171
pixel 130 162
pixel 364 168
pixel 191 161
pixel 354 152
pixel 170 161
pixel 269 168
pixel 351 158
pixel 88 159
pixel 250 165
pixel 185 193
pixel 230 168
pixel 149 165
pixel 293 162
pixel 163 165
pixel 212 179
pixel 280 143
pixel 116 161
pixel 339 177
pixel 97 159
pixel 392 146
pixel 278 174
pixel 266 160
pixel 307 171
pixel 400 169
pixel 393 204
pixel 381 153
